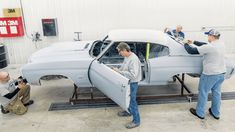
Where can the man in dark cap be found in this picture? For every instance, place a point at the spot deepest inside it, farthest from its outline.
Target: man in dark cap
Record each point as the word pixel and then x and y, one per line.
pixel 212 75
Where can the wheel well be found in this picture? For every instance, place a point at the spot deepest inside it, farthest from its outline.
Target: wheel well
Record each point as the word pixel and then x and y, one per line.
pixel 53 77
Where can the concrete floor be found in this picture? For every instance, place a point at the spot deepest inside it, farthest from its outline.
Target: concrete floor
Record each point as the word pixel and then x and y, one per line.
pixel 160 117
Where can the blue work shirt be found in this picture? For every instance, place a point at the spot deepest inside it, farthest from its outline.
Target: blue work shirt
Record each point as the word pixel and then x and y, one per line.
pixel 179 35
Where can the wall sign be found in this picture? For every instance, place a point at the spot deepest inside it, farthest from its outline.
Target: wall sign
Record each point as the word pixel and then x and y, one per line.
pixel 49 26
pixel 11 27
pixel 11 12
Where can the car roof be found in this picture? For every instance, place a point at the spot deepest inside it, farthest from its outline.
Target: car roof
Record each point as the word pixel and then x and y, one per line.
pixel 147 35
pixel 138 35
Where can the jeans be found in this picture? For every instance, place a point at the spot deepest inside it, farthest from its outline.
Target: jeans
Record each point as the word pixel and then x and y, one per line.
pixel 209 83
pixel 133 107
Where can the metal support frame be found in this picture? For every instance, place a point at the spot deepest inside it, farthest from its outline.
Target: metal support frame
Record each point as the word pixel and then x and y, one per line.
pixel 92 100
pixel 183 86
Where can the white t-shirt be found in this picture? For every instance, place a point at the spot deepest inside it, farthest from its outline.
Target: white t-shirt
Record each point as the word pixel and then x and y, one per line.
pixel 6 88
pixel 131 68
pixel 213 57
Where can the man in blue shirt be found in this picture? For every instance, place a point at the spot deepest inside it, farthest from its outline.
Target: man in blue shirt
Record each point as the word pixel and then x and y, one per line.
pixel 177 33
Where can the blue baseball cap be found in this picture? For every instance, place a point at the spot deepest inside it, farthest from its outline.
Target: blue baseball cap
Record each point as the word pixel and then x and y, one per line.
pixel 213 32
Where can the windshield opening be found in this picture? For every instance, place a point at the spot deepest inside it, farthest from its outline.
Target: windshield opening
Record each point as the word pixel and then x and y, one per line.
pixel 180 41
pixel 98 46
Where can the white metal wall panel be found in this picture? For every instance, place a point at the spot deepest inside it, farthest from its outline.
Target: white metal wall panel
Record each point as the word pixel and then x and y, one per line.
pixel 96 17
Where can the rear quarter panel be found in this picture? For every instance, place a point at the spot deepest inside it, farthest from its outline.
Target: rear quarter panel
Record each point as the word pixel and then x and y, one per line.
pixel 74 70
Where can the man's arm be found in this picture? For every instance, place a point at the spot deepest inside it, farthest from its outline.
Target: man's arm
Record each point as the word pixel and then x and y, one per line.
pixel 131 74
pixel 169 33
pixel 133 70
pixel 10 95
pixel 191 50
pixel 199 43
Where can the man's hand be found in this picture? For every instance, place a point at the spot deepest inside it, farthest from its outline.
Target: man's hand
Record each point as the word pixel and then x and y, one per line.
pixel 165 30
pixel 188 41
pixel 21 85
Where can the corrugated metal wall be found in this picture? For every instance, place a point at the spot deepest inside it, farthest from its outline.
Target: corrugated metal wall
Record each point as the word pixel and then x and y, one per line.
pixel 96 17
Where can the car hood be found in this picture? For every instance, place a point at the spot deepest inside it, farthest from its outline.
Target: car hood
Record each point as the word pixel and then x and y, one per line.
pixel 62 51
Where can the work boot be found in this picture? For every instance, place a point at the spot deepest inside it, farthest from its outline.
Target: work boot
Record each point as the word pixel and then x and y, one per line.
pixel 132 125
pixel 123 114
pixel 3 110
pixel 29 103
pixel 217 118
pixel 193 111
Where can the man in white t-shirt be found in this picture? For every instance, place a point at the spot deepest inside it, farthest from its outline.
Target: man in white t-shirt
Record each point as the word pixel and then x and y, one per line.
pixel 131 69
pixel 14 95
pixel 212 75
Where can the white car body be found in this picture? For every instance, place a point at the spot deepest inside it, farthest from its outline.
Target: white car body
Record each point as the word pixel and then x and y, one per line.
pixel 88 63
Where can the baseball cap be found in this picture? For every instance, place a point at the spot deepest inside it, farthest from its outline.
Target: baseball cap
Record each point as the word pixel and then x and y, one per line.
pixel 213 32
